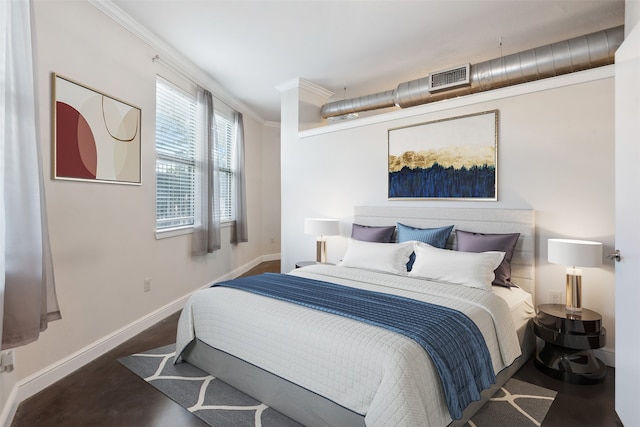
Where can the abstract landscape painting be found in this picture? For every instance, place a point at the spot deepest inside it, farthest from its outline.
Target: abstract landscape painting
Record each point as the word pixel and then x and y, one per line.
pixel 454 158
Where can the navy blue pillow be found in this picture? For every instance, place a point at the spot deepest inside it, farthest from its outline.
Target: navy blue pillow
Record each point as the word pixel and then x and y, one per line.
pixel 436 237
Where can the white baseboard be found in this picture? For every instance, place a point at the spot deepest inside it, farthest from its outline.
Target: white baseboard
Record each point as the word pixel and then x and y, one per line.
pixel 38 381
pixel 10 408
pixel 246 267
pixel 271 257
pixel 42 379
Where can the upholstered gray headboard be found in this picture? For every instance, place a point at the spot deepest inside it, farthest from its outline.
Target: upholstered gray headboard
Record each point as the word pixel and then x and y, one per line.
pixel 479 220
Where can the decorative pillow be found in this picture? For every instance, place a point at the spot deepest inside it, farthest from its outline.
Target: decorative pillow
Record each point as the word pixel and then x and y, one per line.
pixel 464 268
pixel 436 237
pixel 368 233
pixel 387 257
pixel 467 241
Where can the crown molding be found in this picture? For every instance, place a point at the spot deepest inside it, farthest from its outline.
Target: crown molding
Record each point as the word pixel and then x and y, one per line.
pixel 271 124
pixel 299 83
pixel 173 58
pixel 315 89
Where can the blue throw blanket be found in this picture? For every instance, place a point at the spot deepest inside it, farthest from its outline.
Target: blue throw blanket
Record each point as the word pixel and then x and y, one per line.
pixel 453 341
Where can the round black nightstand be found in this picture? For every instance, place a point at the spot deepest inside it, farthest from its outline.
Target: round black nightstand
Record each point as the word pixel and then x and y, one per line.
pixel 569 338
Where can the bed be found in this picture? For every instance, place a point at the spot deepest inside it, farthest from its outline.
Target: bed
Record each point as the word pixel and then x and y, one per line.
pixel 322 369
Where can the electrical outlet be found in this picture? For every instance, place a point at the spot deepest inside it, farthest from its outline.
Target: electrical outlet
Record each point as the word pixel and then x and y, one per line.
pixel 555 297
pixel 147 284
pixel 7 361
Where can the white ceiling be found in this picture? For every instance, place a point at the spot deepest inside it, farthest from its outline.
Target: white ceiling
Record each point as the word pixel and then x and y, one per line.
pixel 250 47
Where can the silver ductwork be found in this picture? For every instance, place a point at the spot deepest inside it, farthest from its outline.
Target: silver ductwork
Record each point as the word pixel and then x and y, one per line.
pixel 580 53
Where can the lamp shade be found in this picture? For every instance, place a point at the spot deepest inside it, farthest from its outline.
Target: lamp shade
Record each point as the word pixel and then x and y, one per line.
pixel 321 227
pixel 575 253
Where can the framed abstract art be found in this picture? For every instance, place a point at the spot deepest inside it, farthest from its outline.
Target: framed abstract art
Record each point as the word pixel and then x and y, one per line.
pixel 96 137
pixel 450 159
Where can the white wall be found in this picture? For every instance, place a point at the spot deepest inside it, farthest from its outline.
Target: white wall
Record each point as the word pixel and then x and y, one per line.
pixel 631 15
pixel 103 235
pixel 555 155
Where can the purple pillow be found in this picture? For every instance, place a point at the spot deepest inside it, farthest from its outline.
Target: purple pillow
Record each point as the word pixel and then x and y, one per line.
pixel 378 234
pixel 467 241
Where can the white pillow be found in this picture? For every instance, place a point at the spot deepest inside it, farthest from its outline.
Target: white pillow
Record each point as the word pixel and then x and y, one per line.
pixel 464 268
pixel 387 257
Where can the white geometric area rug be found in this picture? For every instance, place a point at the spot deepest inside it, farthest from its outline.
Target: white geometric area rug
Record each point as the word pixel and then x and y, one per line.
pixel 516 404
pixel 213 401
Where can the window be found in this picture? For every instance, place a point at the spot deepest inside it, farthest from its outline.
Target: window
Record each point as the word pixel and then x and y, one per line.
pixel 175 156
pixel 225 132
pixel 176 130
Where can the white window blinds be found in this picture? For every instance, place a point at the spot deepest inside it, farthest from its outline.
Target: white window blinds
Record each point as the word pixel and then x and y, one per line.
pixel 175 156
pixel 225 126
pixel 176 162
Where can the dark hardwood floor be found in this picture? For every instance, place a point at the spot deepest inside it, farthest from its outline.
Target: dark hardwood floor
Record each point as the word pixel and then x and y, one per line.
pixel 105 393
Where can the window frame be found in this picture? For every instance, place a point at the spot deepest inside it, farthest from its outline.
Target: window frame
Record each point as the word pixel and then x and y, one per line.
pixel 221 112
pixel 164 154
pixel 226 165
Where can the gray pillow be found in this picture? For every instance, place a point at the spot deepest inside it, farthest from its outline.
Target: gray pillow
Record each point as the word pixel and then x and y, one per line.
pixel 368 233
pixel 467 241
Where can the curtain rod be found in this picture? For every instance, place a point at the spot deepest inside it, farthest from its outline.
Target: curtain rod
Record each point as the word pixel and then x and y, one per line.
pixel 174 69
pixel 177 70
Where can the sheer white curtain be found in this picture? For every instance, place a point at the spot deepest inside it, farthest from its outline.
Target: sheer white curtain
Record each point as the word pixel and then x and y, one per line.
pixel 239 232
pixel 26 285
pixel 206 228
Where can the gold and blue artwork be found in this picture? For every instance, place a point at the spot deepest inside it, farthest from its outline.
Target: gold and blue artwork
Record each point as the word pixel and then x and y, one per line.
pixel 453 159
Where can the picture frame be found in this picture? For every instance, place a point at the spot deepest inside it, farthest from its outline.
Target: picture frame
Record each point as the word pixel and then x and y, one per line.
pixel 96 137
pixel 449 159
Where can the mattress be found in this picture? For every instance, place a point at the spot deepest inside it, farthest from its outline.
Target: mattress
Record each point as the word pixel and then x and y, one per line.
pixel 387 378
pixel 520 304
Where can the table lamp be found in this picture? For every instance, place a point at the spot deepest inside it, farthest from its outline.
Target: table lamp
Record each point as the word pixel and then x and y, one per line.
pixel 573 254
pixel 321 227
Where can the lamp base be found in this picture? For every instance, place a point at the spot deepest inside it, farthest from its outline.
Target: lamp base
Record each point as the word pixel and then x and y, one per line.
pixel 321 251
pixel 574 290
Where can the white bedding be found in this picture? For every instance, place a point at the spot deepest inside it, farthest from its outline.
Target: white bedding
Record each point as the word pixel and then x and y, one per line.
pixel 520 303
pixel 385 376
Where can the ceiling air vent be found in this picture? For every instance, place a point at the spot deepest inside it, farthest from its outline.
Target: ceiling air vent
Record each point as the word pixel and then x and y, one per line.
pixel 451 77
